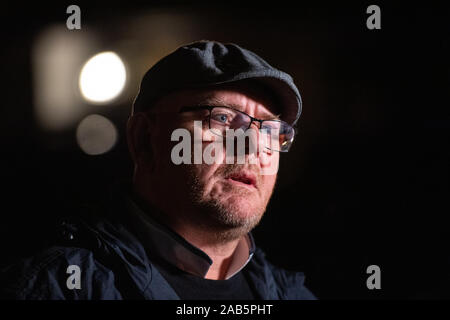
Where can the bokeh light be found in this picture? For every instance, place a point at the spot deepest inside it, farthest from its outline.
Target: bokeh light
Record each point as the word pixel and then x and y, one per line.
pixel 103 77
pixel 96 134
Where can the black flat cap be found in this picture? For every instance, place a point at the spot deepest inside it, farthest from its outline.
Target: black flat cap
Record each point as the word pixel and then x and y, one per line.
pixel 206 63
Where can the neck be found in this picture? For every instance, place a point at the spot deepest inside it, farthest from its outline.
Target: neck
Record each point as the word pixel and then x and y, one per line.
pixel 221 252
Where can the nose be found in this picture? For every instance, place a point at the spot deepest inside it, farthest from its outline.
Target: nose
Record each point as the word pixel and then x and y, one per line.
pixel 251 146
pixel 255 144
pixel 244 141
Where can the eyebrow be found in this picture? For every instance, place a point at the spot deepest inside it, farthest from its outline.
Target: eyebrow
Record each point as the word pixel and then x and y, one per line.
pixel 217 102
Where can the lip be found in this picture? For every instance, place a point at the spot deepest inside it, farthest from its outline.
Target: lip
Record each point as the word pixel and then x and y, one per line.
pixel 242 178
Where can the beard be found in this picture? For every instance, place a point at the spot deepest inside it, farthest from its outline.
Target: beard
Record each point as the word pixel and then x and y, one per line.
pixel 228 219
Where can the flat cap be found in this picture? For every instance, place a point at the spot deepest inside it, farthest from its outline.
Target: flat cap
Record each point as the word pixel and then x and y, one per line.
pixel 205 63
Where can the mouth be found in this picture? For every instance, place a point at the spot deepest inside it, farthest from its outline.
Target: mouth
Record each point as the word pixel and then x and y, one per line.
pixel 242 178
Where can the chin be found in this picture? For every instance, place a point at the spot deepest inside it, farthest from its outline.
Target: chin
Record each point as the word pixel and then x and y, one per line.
pixel 238 210
pixel 242 206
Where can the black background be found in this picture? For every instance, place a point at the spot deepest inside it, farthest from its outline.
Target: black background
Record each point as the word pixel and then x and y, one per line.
pixel 367 181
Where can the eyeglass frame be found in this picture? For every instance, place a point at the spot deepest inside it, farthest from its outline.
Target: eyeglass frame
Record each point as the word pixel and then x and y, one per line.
pixel 252 119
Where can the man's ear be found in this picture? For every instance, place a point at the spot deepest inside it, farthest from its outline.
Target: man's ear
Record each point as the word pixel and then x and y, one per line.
pixel 138 138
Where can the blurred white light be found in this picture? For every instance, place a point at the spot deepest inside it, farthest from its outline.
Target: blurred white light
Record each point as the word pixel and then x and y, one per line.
pixel 96 134
pixel 57 56
pixel 103 77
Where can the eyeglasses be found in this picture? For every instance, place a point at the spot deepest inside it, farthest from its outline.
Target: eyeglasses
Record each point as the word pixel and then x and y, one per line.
pixel 222 118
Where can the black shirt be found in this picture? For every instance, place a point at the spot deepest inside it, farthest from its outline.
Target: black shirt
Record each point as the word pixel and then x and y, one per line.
pixel 192 287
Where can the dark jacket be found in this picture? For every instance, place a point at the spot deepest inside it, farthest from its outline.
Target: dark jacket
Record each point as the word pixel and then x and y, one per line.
pixel 114 265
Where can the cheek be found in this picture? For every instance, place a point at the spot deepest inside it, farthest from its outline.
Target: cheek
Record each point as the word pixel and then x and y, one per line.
pixel 268 184
pixel 269 159
pixel 163 165
pixel 205 174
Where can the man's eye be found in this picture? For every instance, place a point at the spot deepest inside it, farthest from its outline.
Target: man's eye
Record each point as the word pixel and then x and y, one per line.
pixel 223 118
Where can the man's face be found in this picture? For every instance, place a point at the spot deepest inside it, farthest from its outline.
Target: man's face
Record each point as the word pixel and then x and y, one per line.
pixel 228 197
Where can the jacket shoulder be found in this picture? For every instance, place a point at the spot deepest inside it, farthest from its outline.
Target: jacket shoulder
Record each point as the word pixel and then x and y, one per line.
pixel 49 274
pixel 283 284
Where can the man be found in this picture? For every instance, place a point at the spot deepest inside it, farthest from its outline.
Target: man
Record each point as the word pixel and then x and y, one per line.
pixel 183 230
